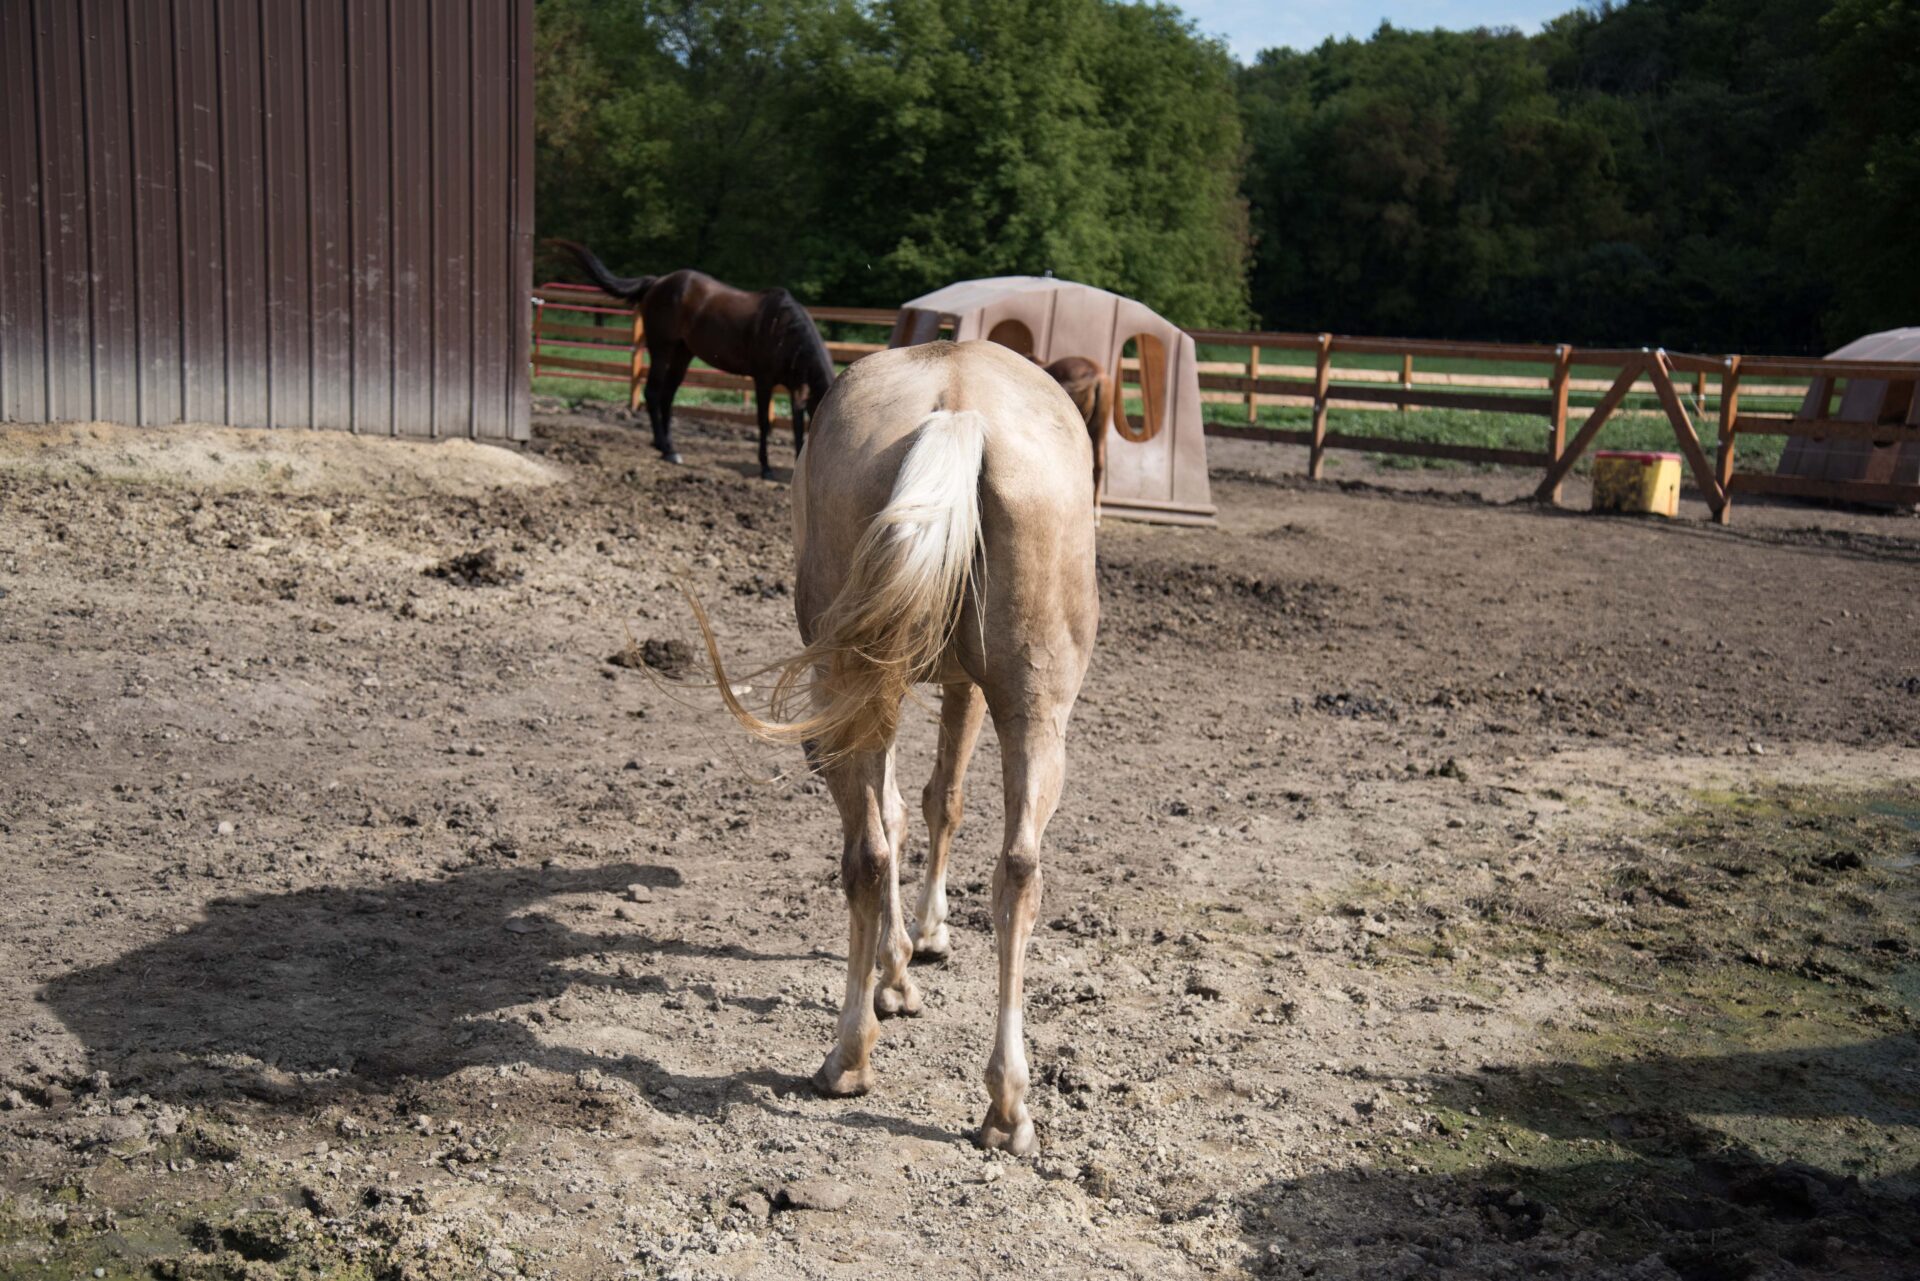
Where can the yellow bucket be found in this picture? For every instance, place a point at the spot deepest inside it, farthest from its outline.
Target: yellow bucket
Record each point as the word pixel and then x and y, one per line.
pixel 1626 481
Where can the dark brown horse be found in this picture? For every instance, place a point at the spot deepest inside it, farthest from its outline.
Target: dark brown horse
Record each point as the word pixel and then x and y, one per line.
pixel 765 336
pixel 1092 395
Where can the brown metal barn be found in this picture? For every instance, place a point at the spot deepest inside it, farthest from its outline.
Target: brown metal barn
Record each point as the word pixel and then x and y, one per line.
pixel 267 213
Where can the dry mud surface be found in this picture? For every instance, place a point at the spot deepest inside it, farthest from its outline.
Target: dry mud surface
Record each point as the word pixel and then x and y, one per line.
pixel 1444 888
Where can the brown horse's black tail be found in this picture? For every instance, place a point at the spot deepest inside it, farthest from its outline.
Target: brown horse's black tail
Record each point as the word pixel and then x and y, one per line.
pixel 630 288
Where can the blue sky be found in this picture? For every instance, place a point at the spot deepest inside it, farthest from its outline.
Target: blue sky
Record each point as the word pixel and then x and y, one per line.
pixel 1248 26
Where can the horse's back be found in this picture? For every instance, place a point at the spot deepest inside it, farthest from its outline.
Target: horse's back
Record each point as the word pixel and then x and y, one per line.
pixel 1036 502
pixel 1036 450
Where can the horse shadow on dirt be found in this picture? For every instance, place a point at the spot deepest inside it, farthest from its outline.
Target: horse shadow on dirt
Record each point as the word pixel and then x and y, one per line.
pixel 1776 1164
pixel 289 998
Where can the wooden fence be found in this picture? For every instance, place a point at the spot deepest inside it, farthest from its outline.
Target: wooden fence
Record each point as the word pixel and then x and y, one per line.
pixel 1307 374
pixel 616 351
pixel 1815 421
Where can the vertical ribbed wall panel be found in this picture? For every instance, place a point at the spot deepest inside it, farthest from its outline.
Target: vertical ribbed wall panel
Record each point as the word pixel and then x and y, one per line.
pixel 290 213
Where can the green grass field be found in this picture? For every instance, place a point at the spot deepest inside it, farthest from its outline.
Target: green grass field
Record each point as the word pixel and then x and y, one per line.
pixel 1498 431
pixel 1638 424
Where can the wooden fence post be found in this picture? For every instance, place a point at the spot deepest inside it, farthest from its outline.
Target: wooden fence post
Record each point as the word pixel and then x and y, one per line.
pixel 1406 378
pixel 1630 372
pixel 1557 385
pixel 1729 417
pixel 1253 375
pixel 1661 374
pixel 637 371
pixel 1322 374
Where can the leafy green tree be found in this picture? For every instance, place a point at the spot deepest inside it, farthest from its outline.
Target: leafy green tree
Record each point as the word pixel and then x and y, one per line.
pixel 664 130
pixel 1420 183
pixel 865 153
pixel 1617 178
pixel 1857 209
pixel 1707 174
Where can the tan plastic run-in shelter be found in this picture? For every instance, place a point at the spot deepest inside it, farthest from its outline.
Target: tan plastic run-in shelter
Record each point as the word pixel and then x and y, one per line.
pixel 1156 458
pixel 1862 400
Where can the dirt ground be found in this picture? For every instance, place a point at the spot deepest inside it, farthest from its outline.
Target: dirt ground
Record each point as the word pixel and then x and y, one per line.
pixel 1444 887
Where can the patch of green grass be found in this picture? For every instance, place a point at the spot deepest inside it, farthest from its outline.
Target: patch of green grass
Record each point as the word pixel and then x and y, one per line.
pixel 1299 364
pixel 185 1244
pixel 38 1249
pixel 1638 424
pixel 580 390
pixel 1747 1084
pixel 1491 430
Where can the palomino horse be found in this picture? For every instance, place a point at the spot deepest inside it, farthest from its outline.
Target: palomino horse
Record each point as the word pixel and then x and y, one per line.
pixel 1092 394
pixel 765 336
pixel 943 532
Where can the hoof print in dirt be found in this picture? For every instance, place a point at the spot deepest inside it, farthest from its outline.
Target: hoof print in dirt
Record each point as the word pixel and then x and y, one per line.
pixel 670 658
pixel 824 1195
pixel 754 1205
pixel 1511 1213
pixel 482 568
pixel 1354 706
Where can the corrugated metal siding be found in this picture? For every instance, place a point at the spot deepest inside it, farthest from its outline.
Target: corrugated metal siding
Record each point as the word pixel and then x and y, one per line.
pixel 283 213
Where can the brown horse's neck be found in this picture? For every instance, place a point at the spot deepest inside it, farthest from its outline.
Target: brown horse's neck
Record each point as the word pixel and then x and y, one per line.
pixel 806 360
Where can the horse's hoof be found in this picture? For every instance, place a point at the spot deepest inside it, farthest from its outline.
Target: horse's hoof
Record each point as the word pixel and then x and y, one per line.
pixel 671 456
pixel 831 1081
pixel 1019 1141
pixel 766 473
pixel 904 999
pixel 931 948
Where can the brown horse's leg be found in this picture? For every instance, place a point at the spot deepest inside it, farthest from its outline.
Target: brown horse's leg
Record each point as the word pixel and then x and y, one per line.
pixel 763 404
pixel 962 710
pixel 668 367
pixel 1097 427
pixel 1099 467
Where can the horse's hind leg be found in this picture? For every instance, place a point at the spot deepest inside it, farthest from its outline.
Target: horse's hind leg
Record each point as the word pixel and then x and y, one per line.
pixel 1034 759
pixel 666 368
pixel 763 407
pixel 896 993
pixel 962 710
pixel 860 785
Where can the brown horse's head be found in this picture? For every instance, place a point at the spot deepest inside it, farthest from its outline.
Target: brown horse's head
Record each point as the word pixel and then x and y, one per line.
pixel 806 364
pixel 1090 392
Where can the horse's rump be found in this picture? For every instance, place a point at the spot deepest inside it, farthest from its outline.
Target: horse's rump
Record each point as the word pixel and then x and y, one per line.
pixel 889 626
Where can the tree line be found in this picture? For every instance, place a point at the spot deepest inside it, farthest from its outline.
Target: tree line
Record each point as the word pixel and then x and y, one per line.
pixel 1705 174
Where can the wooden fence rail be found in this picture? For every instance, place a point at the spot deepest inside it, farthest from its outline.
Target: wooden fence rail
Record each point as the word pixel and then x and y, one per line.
pixel 615 351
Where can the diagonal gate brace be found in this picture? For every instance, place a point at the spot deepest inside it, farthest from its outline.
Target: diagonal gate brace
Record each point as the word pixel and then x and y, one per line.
pixel 1703 471
pixel 1629 374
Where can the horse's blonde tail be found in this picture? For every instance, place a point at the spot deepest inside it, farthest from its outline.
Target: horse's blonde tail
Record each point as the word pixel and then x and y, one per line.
pixel 890 626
